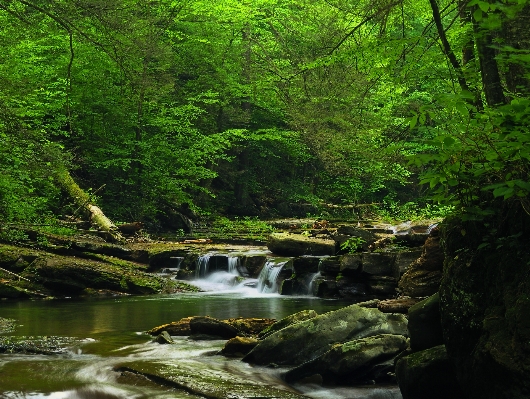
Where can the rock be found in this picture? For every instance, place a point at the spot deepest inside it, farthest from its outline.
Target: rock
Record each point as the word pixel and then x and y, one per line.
pixel 287 321
pixel 212 382
pixel 368 236
pixel 378 264
pixel 348 288
pixel 424 275
pixel 176 328
pixel 250 326
pixel 292 286
pixel 324 288
pixel 425 325
pixel 330 266
pixel 287 244
pixel 210 326
pixel 164 338
pixel 351 264
pixel 352 362
pixel 485 306
pixel 400 305
pixel 428 374
pixel 306 265
pixel 382 286
pixel 403 261
pixel 304 341
pixel 239 346
pixel 130 229
pixel 253 264
pixel 47 345
pixel 7 325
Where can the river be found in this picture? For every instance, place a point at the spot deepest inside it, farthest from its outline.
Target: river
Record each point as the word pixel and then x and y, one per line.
pixel 113 332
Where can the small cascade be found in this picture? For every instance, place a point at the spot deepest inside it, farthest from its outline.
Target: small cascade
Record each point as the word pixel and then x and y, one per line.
pixel 233 265
pixel 431 227
pixel 202 266
pixel 269 274
pixel 311 278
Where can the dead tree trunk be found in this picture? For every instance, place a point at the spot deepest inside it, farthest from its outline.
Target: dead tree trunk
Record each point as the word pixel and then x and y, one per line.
pixel 82 200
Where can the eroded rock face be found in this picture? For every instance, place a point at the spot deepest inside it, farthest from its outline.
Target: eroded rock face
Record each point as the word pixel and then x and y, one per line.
pixel 485 308
pixel 352 362
pixel 304 341
pixel 424 275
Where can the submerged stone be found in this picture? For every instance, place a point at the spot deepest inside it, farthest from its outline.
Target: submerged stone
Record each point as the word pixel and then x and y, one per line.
pixel 192 377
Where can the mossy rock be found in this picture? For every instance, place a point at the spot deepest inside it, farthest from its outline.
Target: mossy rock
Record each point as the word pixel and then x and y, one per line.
pixel 191 376
pixel 485 307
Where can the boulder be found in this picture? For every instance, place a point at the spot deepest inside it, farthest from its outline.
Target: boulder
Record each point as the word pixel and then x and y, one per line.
pixel 210 326
pixel 287 244
pixel 239 346
pixel 164 338
pixel 287 321
pixel 353 361
pixel 424 275
pixel 425 325
pixel 176 328
pixel 304 341
pixel 428 374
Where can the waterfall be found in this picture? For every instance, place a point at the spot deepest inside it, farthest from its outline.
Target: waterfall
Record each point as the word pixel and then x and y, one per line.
pixel 202 266
pixel 233 265
pixel 267 278
pixel 311 282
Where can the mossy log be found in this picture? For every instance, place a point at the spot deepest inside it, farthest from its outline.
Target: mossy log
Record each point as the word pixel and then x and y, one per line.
pixel 83 200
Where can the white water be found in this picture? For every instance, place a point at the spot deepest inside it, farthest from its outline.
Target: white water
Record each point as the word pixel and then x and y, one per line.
pixel 202 266
pixel 311 282
pixel 267 279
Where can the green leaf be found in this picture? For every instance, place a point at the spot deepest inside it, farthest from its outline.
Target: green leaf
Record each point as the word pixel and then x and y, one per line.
pixel 484 6
pixel 461 107
pixel 448 141
pixel 477 15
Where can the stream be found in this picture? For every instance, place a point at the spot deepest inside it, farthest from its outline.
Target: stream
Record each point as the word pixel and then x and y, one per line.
pixel 112 333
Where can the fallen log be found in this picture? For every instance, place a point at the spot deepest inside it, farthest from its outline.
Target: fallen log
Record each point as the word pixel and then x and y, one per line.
pixel 83 200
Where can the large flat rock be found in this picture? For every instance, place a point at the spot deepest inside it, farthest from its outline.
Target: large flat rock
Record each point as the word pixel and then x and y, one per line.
pixel 287 244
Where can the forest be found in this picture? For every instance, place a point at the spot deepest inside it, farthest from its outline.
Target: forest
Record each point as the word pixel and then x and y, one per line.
pixel 169 116
pixel 263 107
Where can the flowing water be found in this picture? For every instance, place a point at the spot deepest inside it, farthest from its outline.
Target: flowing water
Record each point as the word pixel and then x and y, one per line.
pixel 112 332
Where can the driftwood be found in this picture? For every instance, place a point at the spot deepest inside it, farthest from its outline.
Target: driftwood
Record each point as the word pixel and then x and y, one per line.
pixel 83 200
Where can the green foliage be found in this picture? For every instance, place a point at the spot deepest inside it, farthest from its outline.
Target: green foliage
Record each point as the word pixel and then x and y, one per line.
pixel 352 244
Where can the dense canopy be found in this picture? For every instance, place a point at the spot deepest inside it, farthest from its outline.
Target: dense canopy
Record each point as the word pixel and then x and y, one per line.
pixel 242 107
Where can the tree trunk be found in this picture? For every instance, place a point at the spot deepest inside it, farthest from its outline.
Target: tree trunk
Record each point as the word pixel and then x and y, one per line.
pixel 82 199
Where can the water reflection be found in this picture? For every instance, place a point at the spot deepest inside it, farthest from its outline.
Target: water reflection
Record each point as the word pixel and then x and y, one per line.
pixel 115 325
